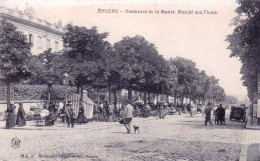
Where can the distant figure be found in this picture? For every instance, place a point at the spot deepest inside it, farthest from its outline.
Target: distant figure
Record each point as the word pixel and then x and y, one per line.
pixel 146 110
pixel 20 121
pixel 105 111
pixel 192 109
pixel 69 115
pixel 179 109
pixel 188 107
pixel 220 115
pixel 128 116
pixel 10 121
pixel 110 111
pixel 161 111
pixel 118 108
pixel 52 107
pixel 208 114
pixel 81 113
pixel 100 114
pixel 202 109
pixel 137 110
pixel 50 119
pixel 166 108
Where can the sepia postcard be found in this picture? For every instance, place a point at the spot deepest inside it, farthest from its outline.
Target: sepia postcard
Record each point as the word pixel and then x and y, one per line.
pixel 114 80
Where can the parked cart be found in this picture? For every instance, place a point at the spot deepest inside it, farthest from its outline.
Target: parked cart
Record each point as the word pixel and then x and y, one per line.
pixel 238 113
pixel 39 115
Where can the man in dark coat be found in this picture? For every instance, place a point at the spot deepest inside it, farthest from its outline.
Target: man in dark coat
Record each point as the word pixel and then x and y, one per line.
pixel 221 115
pixel 20 121
pixel 69 115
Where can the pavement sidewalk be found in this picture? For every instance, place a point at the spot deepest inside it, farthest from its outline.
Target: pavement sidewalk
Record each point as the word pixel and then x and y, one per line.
pixel 250 150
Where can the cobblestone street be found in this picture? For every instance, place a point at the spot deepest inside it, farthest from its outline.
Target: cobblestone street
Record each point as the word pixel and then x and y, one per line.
pixel 177 137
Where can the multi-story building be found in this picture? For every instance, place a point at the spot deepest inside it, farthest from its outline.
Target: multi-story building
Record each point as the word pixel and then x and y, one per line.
pixel 42 34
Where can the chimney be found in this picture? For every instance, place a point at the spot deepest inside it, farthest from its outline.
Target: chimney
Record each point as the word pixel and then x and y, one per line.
pixel 59 23
pixel 70 23
pixel 29 10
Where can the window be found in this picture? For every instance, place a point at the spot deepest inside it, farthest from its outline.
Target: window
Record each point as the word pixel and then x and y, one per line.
pixel 56 46
pixel 31 38
pixel 39 42
pixel 48 45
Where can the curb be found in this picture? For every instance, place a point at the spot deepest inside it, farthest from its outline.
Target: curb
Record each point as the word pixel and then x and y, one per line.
pixel 243 153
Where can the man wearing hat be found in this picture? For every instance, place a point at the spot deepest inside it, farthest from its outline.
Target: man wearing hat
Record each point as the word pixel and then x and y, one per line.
pixel 69 114
pixel 128 116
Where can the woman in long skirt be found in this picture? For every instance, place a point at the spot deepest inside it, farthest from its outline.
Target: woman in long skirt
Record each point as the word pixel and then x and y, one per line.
pixel 81 113
pixel 20 121
pixel 10 121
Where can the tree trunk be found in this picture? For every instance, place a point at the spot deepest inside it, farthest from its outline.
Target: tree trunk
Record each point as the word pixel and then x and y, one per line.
pixel 115 100
pixel 8 94
pixel 78 89
pixel 130 93
pixel 81 92
pixel 182 99
pixel 97 98
pixel 144 96
pixel 175 99
pixel 49 96
pixel 149 97
pixel 109 94
pixel 140 94
pixel 162 98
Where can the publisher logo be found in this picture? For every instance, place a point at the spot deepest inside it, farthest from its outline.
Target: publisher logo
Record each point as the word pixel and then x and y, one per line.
pixel 16 143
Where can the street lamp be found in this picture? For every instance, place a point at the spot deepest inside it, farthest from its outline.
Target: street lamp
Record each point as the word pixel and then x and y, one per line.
pixel 65 81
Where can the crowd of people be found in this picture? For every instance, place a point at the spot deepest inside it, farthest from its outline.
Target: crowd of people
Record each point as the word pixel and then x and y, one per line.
pixel 106 111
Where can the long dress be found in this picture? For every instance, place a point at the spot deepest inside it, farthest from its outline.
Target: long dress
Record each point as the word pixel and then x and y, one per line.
pixel 20 121
pixel 10 121
pixel 81 115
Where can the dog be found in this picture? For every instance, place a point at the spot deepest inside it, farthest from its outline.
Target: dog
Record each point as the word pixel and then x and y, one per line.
pixel 137 129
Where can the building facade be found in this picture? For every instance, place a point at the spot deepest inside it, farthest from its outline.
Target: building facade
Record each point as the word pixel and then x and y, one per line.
pixel 42 34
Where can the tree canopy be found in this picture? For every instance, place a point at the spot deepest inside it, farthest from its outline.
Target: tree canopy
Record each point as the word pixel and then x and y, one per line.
pixel 14 55
pixel 244 42
pixel 132 63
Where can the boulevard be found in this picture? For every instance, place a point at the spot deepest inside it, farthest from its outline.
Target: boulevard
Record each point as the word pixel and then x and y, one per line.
pixel 177 137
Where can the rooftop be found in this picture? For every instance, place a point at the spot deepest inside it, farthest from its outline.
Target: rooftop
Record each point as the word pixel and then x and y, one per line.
pixel 28 15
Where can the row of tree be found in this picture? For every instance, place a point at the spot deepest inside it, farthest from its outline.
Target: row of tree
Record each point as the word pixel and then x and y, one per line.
pixel 244 43
pixel 90 61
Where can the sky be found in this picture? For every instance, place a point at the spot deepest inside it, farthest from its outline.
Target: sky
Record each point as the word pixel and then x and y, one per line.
pixel 199 37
